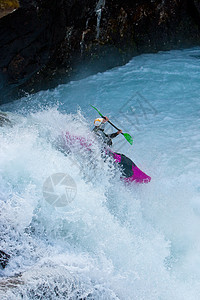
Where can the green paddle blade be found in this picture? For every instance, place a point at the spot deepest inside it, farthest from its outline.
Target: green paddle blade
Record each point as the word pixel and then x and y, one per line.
pixel 97 110
pixel 128 138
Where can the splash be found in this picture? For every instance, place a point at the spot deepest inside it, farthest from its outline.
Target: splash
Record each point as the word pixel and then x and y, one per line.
pixel 111 241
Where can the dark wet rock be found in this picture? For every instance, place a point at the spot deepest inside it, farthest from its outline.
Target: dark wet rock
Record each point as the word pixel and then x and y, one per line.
pixel 29 37
pixel 4 259
pixel 10 284
pixel 44 43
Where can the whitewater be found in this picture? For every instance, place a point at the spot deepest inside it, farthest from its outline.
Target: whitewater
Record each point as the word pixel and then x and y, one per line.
pixel 112 241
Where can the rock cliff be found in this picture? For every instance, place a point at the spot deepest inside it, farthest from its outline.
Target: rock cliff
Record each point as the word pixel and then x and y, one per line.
pixel 44 43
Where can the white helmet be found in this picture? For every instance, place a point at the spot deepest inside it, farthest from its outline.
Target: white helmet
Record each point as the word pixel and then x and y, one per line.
pixel 98 121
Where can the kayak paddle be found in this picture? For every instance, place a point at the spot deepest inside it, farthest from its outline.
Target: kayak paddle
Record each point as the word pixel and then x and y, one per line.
pixel 127 136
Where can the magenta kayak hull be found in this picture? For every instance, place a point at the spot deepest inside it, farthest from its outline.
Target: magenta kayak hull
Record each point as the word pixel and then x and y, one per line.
pixel 135 173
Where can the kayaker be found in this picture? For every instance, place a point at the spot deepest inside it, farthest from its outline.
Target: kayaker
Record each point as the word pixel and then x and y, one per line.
pixel 99 124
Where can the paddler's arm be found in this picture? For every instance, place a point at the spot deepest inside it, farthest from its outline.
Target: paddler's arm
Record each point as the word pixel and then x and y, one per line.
pixel 113 135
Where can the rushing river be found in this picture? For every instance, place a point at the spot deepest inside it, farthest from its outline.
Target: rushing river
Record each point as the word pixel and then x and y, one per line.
pixel 112 241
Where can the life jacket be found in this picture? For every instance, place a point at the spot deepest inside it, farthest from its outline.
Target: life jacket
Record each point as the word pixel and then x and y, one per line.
pixel 105 138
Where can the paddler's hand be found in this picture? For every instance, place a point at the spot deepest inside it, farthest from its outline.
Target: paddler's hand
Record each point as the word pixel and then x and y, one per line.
pixel 105 119
pixel 119 131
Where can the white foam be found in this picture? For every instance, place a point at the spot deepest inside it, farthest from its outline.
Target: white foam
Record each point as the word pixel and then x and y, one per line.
pixel 138 242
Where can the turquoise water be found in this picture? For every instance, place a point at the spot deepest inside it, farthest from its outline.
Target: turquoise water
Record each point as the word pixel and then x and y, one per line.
pixel 112 241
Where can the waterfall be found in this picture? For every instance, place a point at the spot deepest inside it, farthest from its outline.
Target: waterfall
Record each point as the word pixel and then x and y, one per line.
pixel 99 6
pixel 82 42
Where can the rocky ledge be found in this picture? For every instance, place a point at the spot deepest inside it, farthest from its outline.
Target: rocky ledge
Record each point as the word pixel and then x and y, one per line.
pixel 4 259
pixel 45 42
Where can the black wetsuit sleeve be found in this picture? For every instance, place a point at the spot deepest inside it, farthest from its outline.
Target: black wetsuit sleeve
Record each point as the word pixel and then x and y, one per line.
pixel 113 135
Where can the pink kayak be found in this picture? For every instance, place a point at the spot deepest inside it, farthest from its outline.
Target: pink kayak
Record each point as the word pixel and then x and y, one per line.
pixel 130 172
